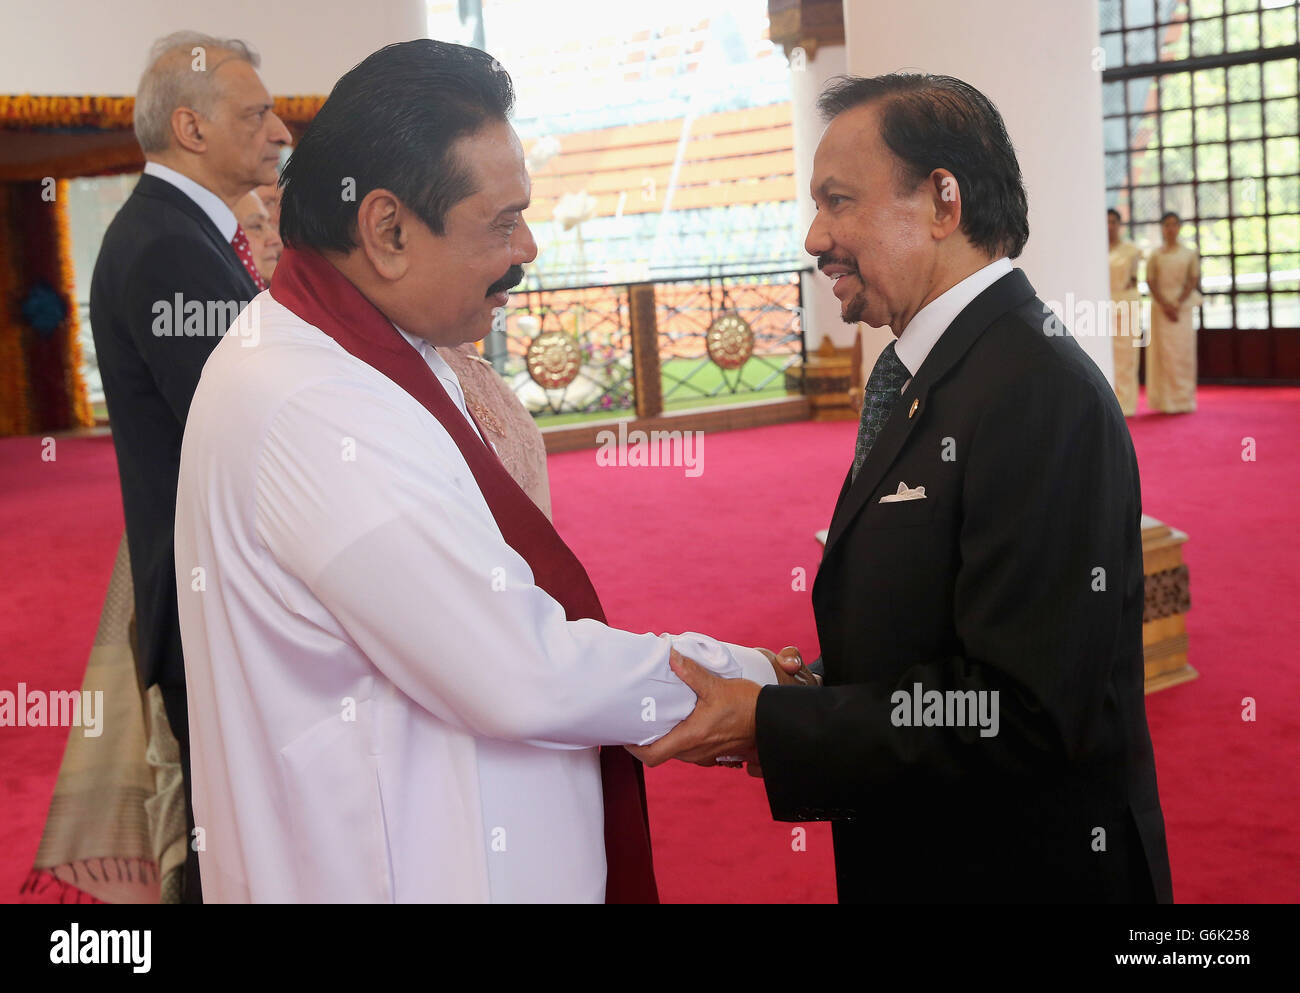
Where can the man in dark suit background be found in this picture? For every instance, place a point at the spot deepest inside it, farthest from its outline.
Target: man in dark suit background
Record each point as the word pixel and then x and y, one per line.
pixel 981 733
pixel 173 271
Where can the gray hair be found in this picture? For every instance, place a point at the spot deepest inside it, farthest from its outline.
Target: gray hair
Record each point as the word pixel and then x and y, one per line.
pixel 172 81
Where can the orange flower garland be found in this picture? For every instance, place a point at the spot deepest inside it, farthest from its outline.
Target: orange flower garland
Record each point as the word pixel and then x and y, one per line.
pixel 78 396
pixel 21 111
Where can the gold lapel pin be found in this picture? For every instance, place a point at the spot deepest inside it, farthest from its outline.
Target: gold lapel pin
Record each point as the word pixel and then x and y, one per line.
pixel 915 403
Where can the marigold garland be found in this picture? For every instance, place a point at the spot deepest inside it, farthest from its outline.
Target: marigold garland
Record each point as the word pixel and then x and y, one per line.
pixel 77 394
pixel 25 110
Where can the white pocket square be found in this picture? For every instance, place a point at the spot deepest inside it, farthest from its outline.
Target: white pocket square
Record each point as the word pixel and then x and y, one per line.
pixel 916 493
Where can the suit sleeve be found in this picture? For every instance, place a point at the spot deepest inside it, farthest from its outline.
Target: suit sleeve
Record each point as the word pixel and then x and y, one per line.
pixel 171 268
pixel 1046 503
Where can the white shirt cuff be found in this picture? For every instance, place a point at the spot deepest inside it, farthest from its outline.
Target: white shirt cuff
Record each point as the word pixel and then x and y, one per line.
pixel 754 665
pixel 724 658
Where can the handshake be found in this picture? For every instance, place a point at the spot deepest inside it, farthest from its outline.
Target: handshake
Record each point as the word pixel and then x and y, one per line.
pixel 721 729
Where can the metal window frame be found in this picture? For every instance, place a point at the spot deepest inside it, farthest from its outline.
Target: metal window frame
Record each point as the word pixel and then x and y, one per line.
pixel 1156 72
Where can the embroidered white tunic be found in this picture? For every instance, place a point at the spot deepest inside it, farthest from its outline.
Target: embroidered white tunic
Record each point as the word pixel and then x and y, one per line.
pixel 383 706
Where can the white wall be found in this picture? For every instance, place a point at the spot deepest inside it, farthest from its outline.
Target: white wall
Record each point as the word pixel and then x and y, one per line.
pixel 1034 60
pixel 99 46
pixel 807 80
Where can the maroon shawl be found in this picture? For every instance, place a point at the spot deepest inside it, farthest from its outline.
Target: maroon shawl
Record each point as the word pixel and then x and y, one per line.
pixel 308 285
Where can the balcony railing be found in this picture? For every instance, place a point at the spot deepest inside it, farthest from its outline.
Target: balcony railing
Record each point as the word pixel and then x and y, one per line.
pixel 580 353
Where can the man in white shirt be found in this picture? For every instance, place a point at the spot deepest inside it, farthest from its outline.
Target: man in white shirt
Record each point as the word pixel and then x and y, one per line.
pixel 400 677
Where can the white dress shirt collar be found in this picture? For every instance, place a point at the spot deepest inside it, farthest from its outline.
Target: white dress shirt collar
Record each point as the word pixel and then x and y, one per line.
pixel 446 375
pixel 211 204
pixel 932 320
pixel 418 344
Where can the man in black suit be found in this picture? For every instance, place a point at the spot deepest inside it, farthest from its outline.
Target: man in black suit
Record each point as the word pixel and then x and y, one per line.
pixel 172 273
pixel 981 733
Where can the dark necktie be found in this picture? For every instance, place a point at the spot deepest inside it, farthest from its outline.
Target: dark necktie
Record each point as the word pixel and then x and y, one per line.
pixel 245 252
pixel 883 389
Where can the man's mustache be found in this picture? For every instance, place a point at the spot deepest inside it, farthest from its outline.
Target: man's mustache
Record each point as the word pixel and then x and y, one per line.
pixel 514 277
pixel 824 260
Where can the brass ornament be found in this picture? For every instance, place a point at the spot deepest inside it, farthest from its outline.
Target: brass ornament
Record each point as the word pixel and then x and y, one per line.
pixel 554 360
pixel 730 341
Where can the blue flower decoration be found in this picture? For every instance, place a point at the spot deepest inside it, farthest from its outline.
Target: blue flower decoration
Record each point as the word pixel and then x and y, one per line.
pixel 44 309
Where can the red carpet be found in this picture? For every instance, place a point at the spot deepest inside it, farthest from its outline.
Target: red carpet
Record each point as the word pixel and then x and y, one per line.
pixel 717 553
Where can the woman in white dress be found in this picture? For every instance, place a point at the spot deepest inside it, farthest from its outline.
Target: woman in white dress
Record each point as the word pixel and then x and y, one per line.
pixel 1174 274
pixel 1125 329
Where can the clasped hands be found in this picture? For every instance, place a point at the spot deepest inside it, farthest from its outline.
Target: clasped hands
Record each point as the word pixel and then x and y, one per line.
pixel 721 728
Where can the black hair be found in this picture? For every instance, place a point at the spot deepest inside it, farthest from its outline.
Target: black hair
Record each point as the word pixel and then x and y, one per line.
pixel 1168 214
pixel 391 123
pixel 938 122
pixel 1112 212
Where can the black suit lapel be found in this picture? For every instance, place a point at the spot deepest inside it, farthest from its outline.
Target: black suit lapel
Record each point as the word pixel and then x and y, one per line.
pixel 151 187
pixel 1007 293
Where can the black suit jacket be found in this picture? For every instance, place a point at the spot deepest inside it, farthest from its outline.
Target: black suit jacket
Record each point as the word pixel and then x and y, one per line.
pixel 990 583
pixel 159 245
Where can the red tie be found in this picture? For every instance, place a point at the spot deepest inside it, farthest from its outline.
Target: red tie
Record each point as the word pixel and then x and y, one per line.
pixel 240 244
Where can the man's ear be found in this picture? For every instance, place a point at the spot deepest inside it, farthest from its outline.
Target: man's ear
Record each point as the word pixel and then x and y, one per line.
pixel 946 195
pixel 186 130
pixel 382 235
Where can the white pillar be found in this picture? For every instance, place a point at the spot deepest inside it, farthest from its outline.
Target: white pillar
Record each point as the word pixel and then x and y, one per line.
pixel 1034 60
pixel 808 78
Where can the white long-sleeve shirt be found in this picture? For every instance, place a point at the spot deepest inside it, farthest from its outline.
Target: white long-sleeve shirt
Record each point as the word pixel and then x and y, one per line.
pixel 383 707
